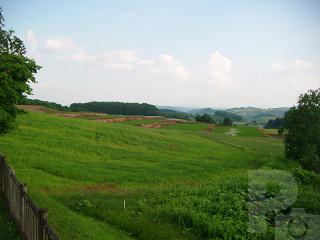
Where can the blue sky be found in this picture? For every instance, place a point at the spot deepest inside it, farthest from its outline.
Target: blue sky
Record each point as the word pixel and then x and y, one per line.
pixel 187 53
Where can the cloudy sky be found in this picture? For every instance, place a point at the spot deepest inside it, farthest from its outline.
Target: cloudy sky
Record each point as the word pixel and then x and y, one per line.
pixel 200 53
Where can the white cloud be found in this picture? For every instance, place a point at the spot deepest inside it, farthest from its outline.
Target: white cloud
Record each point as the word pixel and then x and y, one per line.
pixel 59 44
pixel 291 79
pixel 302 83
pixel 122 56
pixel 295 65
pixel 220 71
pixel 302 64
pixel 32 38
pixel 172 66
pixel 278 66
pixel 128 60
pixel 126 14
pixel 33 44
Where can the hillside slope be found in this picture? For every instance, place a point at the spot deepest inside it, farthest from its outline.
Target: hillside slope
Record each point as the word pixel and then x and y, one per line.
pixel 83 171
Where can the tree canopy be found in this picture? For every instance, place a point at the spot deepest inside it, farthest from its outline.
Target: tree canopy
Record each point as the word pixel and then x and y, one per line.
pixel 225 114
pixel 16 73
pixel 52 105
pixel 227 121
pixel 302 123
pixel 276 123
pixel 205 118
pixel 144 109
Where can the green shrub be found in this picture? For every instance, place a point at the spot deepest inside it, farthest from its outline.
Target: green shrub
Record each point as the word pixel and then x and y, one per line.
pixel 311 160
pixel 306 177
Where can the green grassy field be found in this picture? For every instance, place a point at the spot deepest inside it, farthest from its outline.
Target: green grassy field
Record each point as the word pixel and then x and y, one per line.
pixel 187 127
pixel 271 131
pixel 176 185
pixel 241 131
pixel 101 117
pixel 137 122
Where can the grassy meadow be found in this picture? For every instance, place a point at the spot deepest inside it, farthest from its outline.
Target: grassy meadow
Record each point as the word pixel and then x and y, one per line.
pixel 241 131
pixel 271 131
pixel 187 127
pixel 117 181
pixel 138 122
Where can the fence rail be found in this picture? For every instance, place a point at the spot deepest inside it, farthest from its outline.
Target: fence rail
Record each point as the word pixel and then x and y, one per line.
pixel 33 221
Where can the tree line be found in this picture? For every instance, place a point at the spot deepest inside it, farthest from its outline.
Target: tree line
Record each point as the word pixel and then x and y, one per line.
pixel 224 114
pixel 274 124
pixel 169 113
pixel 52 105
pixel 143 109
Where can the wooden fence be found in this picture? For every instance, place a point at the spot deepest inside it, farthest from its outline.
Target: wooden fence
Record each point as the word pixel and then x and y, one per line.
pixel 33 222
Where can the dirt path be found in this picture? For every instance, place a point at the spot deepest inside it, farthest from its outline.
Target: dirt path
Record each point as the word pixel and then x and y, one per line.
pixel 161 124
pixel 122 119
pixel 263 132
pixel 276 136
pixel 210 128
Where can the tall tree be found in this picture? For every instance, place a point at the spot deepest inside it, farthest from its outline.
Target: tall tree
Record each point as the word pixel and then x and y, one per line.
pixel 302 124
pixel 205 118
pixel 227 121
pixel 16 73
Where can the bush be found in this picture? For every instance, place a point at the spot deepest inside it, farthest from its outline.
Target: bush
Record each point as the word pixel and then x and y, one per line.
pixel 311 161
pixel 306 177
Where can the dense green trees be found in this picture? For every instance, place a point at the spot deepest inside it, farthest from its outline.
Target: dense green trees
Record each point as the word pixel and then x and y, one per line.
pixel 234 117
pixel 16 73
pixel 302 124
pixel 169 113
pixel 276 123
pixel 38 102
pixel 227 122
pixel 205 118
pixel 144 109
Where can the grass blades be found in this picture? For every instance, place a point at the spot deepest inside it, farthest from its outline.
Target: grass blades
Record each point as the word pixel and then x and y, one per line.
pixel 187 127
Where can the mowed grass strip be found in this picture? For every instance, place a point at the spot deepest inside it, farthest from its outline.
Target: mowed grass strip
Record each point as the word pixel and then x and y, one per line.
pixel 187 126
pixel 242 131
pixel 271 131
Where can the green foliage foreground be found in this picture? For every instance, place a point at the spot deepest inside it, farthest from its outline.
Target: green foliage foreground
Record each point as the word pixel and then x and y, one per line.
pixel 176 185
pixel 302 124
pixel 16 73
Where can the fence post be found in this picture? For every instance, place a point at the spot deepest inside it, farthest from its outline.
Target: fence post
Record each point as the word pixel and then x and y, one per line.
pixel 3 163
pixel 43 222
pixel 10 192
pixel 23 190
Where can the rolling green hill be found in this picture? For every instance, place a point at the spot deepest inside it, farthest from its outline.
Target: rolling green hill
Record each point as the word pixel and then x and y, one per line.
pixel 259 114
pixel 117 181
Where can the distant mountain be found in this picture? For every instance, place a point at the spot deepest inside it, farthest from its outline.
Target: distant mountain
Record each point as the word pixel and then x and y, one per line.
pixel 179 109
pixel 247 113
pixel 259 114
pixel 225 114
pixel 202 111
